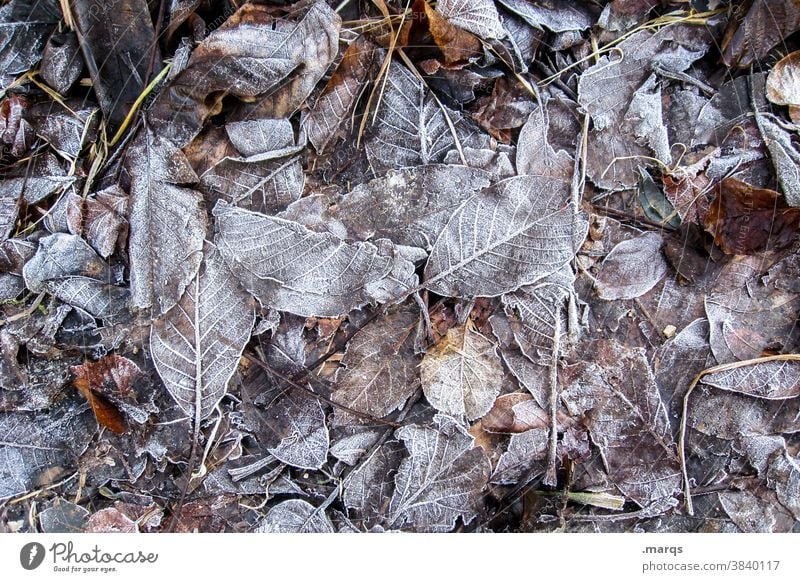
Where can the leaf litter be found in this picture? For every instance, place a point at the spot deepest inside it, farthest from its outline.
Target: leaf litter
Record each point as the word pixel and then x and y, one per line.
pixel 337 267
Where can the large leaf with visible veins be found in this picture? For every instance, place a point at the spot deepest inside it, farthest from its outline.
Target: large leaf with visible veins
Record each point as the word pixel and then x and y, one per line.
pixel 341 93
pixel 290 268
pixel 774 380
pixel 167 222
pixel 412 128
pixel 441 479
pixel 462 374
pixel 512 234
pixel 380 367
pixel 295 516
pixel 68 268
pixel 409 207
pixel 196 346
pixel 617 396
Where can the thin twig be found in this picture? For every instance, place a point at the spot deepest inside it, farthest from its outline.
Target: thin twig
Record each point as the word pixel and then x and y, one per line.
pixel 550 477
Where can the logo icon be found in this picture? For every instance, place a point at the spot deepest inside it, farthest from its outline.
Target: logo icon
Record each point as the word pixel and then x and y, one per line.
pixel 31 555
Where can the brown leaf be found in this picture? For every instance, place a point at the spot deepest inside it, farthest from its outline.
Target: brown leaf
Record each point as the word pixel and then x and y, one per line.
pixel 501 417
pixel 99 218
pixel 519 412
pixel 507 108
pixel 759 27
pixel 105 412
pixel 747 220
pixel 341 93
pixel 429 34
pixel 110 520
pixel 783 81
pixel 15 132
pixel 112 375
pixel 684 188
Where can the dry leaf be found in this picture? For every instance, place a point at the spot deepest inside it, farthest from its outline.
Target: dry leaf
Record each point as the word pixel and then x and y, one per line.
pixel 747 220
pixel 462 374
pixel 196 345
pixel 632 268
pixel 512 234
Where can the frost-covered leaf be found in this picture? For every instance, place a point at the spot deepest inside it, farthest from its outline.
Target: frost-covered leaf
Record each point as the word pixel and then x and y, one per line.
pixel 441 480
pixel 411 126
pixel 167 223
pixel 62 62
pixel 462 374
pixel 607 92
pixel 250 164
pixel 249 57
pixel 512 234
pixel 299 427
pixel 785 157
pixel 295 516
pixel 680 359
pixel 525 450
pixel 409 207
pixel 647 119
pixel 116 41
pixel 63 517
pixel 379 370
pixel 44 177
pixel 290 268
pixel 67 267
pixel 9 207
pixel 532 376
pixel 554 15
pixel 745 323
pixel 369 487
pixel 632 268
pixel 774 380
pixel 537 315
pixel 756 512
pixel 263 139
pixel 783 475
pixel 262 186
pixel 196 345
pixel 619 400
pixel 728 415
pixel 332 108
pixel 535 153
pixel 38 449
pixel 100 218
pixel 477 16
pixel 24 28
